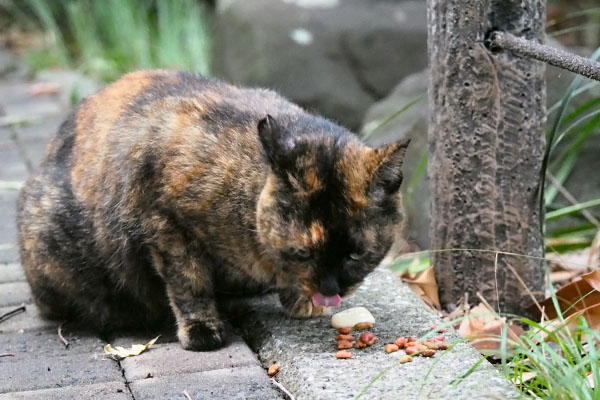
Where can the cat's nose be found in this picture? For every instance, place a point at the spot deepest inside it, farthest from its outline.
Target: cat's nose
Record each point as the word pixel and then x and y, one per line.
pixel 329 286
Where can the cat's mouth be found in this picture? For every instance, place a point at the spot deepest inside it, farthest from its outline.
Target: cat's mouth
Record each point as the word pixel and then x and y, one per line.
pixel 319 299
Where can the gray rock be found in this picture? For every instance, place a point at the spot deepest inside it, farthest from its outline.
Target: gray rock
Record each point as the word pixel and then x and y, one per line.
pixel 305 351
pixel 337 57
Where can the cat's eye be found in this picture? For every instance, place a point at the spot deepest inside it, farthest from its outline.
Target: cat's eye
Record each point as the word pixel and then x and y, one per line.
pixel 358 255
pixel 301 254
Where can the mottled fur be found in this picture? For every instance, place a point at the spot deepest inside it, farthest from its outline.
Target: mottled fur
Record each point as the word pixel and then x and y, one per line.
pixel 166 190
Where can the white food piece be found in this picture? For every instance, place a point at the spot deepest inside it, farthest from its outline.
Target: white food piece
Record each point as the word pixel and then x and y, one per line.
pixel 351 317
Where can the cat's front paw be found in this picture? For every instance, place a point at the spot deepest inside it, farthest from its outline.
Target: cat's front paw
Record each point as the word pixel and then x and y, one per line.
pixel 299 306
pixel 201 336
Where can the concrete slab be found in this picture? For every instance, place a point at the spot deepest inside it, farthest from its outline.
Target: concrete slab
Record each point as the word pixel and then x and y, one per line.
pixel 305 351
pixel 14 293
pixel 11 273
pixel 245 383
pixel 41 361
pixel 101 391
pixel 29 320
pixel 171 359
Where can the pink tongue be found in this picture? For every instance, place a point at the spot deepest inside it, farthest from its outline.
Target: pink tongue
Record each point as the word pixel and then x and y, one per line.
pixel 327 301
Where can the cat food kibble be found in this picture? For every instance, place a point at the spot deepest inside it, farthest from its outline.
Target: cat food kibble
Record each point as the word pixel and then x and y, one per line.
pixel 344 344
pixel 361 326
pixel 368 338
pixel 390 348
pixel 405 359
pixel 273 369
pixel 343 354
pixel 411 345
pixel 400 342
pixel 428 353
pixel 357 317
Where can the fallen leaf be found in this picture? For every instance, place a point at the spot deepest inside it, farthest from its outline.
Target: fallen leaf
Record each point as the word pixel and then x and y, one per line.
pixel 483 328
pixel 562 276
pixel 424 285
pixel 476 320
pixel 525 377
pixel 590 380
pixel 134 350
pixel 591 315
pixel 575 297
pixel 490 337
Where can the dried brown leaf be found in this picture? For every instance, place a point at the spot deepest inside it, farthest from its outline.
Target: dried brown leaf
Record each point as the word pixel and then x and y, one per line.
pixel 575 297
pixel 425 285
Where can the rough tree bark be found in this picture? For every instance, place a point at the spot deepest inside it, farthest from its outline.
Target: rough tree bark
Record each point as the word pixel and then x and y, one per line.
pixel 486 145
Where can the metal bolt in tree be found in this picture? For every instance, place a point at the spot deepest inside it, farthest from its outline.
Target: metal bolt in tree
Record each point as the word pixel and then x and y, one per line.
pixel 486 145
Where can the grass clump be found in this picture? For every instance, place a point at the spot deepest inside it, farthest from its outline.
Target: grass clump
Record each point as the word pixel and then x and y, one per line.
pixel 107 38
pixel 554 361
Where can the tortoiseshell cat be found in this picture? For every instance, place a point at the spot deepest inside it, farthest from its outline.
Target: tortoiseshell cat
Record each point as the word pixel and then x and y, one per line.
pixel 167 190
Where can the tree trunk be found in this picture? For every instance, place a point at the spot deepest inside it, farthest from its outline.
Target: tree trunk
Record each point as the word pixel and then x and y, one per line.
pixel 486 144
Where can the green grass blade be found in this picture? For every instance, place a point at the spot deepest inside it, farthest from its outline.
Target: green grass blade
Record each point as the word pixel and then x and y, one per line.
pixel 572 209
pixel 395 115
pixel 550 142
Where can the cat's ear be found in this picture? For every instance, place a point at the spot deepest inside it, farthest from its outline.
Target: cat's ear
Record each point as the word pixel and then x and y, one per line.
pixel 390 158
pixel 275 140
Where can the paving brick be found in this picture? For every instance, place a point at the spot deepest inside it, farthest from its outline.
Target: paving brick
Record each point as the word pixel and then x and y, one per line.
pixel 13 166
pixel 29 320
pixel 8 252
pixel 248 383
pixel 41 131
pixel 46 343
pixel 19 104
pixel 41 361
pixel 14 293
pixel 102 391
pixel 11 273
pixel 172 359
pixel 8 226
